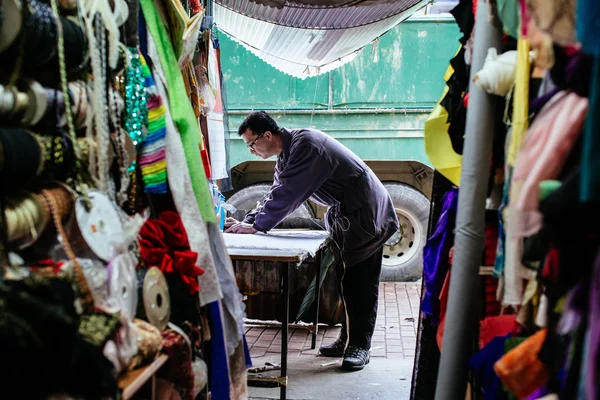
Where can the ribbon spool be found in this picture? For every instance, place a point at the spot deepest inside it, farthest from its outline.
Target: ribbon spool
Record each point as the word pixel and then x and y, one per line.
pixel 122 284
pixel 11 10
pixel 20 157
pixel 100 226
pixel 96 275
pixel 79 96
pixel 37 104
pixel 34 40
pixel 26 219
pixel 155 306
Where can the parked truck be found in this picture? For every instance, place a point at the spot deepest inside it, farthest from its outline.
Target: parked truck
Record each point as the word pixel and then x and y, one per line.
pixel 376 105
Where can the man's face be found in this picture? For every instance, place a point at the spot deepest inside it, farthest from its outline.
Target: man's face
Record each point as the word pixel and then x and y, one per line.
pixel 259 145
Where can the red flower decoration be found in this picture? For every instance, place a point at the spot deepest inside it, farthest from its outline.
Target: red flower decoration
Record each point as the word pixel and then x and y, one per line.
pixel 164 244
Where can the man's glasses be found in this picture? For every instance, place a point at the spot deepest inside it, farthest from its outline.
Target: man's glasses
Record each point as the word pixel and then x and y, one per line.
pixel 252 143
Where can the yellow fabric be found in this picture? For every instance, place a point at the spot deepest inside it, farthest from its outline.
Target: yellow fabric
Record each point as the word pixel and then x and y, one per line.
pixel 156 113
pixel 154 168
pixel 438 146
pixel 520 118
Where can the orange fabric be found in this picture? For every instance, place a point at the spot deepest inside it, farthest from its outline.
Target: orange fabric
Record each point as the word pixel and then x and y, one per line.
pixel 520 369
pixel 443 305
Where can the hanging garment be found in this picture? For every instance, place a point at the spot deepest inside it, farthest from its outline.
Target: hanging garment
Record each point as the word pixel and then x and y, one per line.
pixel 520 117
pixel 542 157
pixel 556 17
pixel 443 299
pixel 180 109
pixel 593 344
pixel 590 162
pixel 438 145
pixel 497 75
pixel 509 14
pixel 181 187
pixel 588 30
pixel 151 156
pixel 214 118
pixel 217 359
pixel 482 367
pixel 435 255
pixel 520 369
pixel 233 306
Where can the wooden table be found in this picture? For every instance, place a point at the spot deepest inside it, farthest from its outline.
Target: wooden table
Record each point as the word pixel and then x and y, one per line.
pixel 288 258
pixel 132 381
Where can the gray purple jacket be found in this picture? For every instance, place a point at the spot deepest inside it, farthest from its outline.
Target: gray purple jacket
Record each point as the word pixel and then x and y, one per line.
pixel 361 216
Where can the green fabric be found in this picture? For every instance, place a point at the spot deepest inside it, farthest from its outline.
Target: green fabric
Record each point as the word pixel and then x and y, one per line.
pixel 548 187
pixel 154 126
pixel 510 15
pixel 181 109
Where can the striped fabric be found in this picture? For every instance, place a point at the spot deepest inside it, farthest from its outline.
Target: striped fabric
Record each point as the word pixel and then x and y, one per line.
pixel 152 153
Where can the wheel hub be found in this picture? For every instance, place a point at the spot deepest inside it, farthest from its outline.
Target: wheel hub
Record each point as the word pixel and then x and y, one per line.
pixel 404 243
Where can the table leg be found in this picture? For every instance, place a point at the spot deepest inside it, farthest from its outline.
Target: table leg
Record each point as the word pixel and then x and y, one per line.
pixel 285 273
pixel 317 298
pixel 153 383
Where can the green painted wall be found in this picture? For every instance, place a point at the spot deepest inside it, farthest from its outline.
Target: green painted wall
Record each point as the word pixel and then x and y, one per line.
pixel 412 60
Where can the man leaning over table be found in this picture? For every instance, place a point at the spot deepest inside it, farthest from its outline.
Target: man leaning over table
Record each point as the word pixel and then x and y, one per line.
pixel 360 217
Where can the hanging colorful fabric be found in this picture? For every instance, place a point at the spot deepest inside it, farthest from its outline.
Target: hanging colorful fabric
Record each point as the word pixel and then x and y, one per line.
pixel 520 118
pixel 181 108
pixel 152 153
pixel 438 146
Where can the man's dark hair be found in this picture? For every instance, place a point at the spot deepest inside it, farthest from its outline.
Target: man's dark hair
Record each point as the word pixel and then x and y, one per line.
pixel 259 122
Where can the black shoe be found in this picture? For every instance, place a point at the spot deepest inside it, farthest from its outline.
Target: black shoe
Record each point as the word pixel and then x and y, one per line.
pixel 355 358
pixel 335 349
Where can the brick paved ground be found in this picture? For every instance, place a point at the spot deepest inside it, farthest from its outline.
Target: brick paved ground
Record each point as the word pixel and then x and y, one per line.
pixel 394 337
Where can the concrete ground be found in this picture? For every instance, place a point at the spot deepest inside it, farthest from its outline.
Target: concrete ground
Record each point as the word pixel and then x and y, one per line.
pixel 310 376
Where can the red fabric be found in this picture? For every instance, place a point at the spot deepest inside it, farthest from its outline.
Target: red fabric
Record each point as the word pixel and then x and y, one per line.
pixel 206 163
pixel 551 267
pixel 178 369
pixel 466 100
pixel 491 327
pixel 164 244
pixel 492 305
pixel 443 305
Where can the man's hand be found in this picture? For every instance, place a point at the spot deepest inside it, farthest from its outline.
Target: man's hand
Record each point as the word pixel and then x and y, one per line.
pixel 229 222
pixel 242 228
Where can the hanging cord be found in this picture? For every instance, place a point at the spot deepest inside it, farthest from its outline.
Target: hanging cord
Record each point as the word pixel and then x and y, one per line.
pixel 80 186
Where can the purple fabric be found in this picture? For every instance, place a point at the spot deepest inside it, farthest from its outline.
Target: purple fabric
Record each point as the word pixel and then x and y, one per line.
pixel 571 72
pixel 361 215
pixel 435 255
pixel 539 393
pixel 593 349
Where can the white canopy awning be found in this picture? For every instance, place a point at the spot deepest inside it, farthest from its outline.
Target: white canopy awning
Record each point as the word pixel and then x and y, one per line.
pixel 309 37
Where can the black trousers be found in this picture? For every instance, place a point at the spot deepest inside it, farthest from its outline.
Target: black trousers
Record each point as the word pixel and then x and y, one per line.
pixel 360 291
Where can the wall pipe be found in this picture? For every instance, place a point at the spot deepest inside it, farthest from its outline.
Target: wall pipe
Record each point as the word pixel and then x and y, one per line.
pixel 341 111
pixel 469 239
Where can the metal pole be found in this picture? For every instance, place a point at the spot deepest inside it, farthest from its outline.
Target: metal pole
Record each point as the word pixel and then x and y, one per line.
pixel 470 222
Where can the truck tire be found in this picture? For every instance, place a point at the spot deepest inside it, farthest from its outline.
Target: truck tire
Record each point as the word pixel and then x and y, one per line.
pixel 403 252
pixel 245 200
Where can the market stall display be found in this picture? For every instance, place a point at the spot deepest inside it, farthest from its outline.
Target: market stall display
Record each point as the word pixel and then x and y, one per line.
pixel 114 276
